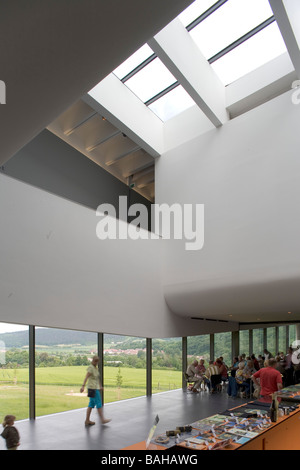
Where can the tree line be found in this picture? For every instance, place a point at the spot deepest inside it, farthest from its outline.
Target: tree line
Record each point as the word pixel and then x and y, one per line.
pixel 15 358
pixel 18 358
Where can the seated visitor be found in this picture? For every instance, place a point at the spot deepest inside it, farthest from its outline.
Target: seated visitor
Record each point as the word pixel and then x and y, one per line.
pixel 241 379
pixel 235 366
pixel 260 361
pixel 193 376
pixel 212 371
pixel 201 369
pixel 242 358
pixel 222 369
pixel 249 369
pixel 255 362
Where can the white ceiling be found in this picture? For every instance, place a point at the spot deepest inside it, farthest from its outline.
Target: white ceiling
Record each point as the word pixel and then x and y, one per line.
pixel 52 53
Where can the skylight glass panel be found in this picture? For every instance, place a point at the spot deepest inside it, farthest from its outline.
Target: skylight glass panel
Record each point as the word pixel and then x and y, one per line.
pixel 133 61
pixel 228 23
pixel 253 53
pixel 195 10
pixel 172 103
pixel 151 80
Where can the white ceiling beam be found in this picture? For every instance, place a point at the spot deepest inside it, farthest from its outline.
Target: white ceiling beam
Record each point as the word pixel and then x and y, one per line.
pixel 287 14
pixel 113 100
pixel 83 121
pixel 177 50
pixel 262 84
pixel 122 155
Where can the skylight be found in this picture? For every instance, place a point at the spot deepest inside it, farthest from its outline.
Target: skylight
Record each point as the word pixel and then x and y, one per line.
pixel 172 103
pixel 148 78
pixel 235 36
pixel 228 23
pixel 133 61
pixel 151 80
pixel 253 53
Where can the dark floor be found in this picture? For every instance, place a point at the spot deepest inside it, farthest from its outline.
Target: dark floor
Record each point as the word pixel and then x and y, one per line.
pixel 131 421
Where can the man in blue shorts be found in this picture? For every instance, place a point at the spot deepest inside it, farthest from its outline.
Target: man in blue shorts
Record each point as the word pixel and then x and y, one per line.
pixel 94 386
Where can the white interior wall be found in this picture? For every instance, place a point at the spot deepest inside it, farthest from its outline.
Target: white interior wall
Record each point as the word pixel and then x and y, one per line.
pixel 55 272
pixel 247 176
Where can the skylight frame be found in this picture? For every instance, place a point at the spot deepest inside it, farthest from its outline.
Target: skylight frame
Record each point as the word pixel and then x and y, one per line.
pixel 261 54
pixel 166 108
pixel 156 69
pixel 212 9
pixel 139 68
pixel 235 43
pixel 242 39
pixel 205 15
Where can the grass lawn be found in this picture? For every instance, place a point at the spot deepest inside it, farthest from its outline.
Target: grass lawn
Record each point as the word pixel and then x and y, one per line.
pixel 57 388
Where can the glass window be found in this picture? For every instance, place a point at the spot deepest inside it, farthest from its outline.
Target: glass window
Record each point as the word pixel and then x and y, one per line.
pixel 282 330
pixel 271 340
pixel 253 53
pixel 14 371
pixel 198 347
pixel 166 364
pixel 223 347
pixel 124 367
pixel 292 334
pixel 62 358
pixel 258 341
pixel 151 80
pixel 133 61
pixel 172 103
pixel 228 23
pixel 244 342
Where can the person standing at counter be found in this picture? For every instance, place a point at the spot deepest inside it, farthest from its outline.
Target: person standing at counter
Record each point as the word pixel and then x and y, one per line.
pixel 270 380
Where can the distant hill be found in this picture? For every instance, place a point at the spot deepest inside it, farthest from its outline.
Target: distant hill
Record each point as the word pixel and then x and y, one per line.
pixel 52 336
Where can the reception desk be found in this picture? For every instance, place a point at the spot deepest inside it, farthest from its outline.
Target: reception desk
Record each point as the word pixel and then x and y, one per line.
pixel 243 433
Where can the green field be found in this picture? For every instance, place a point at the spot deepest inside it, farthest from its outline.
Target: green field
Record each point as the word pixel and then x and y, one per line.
pixel 57 388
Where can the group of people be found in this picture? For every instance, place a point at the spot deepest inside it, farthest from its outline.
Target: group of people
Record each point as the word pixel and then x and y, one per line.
pixel 199 375
pixel 260 376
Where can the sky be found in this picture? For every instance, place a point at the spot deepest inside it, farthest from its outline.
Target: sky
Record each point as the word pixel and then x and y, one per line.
pixel 10 327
